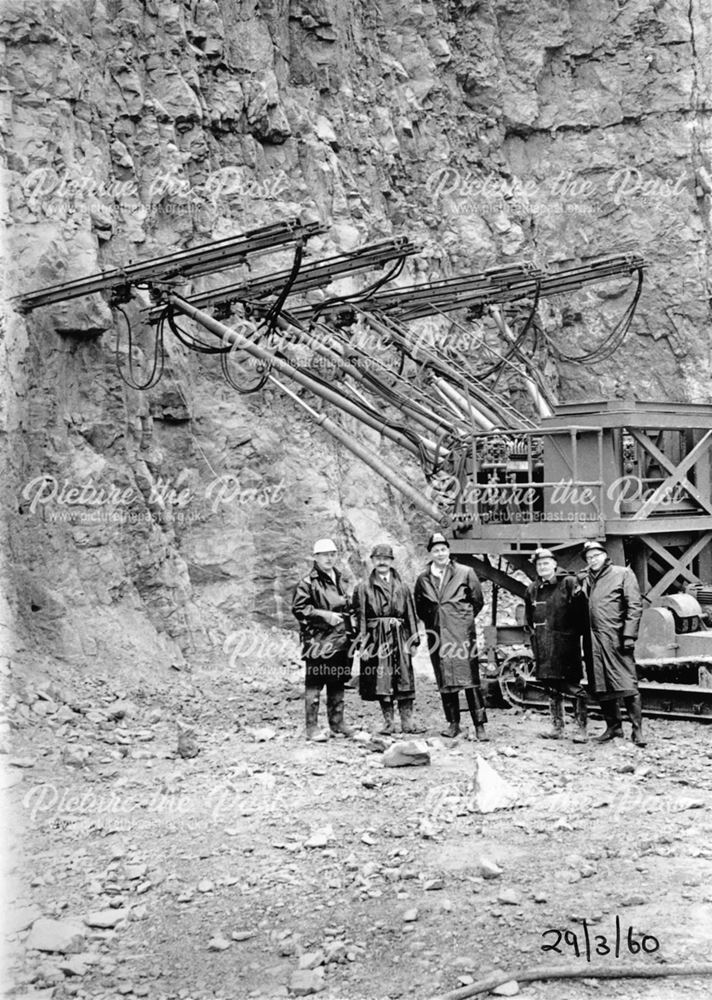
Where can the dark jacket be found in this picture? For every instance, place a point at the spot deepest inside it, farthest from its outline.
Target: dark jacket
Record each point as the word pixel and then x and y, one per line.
pixel 449 612
pixel 614 610
pixel 326 649
pixel 387 629
pixel 556 616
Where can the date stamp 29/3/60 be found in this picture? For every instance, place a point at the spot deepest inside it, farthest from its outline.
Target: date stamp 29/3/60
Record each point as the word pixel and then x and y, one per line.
pixel 584 943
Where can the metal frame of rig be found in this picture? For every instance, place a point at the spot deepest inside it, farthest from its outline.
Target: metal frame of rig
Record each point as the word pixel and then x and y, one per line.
pixel 637 474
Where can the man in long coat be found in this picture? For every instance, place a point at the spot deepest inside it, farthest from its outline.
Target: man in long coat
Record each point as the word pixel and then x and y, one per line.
pixel 448 597
pixel 614 610
pixel 387 630
pixel 555 610
pixel 322 608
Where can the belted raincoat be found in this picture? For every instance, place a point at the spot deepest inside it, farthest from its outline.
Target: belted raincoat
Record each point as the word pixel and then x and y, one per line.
pixel 387 630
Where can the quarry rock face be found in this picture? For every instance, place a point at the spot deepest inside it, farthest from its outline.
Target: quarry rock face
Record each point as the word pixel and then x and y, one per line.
pixel 143 527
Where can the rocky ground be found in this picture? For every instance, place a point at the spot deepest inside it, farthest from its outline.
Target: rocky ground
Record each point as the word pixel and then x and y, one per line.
pixel 264 866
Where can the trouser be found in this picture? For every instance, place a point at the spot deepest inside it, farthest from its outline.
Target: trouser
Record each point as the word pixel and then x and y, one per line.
pixel 475 704
pixel 334 703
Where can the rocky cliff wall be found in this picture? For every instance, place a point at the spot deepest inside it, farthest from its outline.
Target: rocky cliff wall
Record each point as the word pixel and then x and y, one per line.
pixel 487 130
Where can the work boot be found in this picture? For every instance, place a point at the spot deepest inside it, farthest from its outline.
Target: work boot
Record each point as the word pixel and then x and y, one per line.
pixel 311 705
pixel 476 705
pixel 634 708
pixel 556 713
pixel 335 712
pixel 389 726
pixel 581 717
pixel 611 714
pixel 453 717
pixel 408 725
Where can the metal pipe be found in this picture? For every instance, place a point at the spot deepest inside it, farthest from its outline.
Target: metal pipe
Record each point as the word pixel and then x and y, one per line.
pixel 356 448
pixel 230 336
pixel 463 404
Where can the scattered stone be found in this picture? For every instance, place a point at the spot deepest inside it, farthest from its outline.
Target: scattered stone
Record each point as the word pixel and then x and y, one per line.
pixel 489 868
pixel 205 885
pixel 492 792
pixel 335 952
pixel 361 737
pixel 106 918
pixel 75 966
pixel 434 883
pixel 304 982
pixel 509 896
pixel 632 900
pixel 407 753
pixel 509 989
pixel 135 871
pixel 218 943
pixel 320 838
pixel 22 761
pixel 21 918
pixel 261 734
pixel 64 936
pixel 427 829
pixel 311 959
pixel 120 710
pixel 410 916
pixel 540 897
pixel 187 742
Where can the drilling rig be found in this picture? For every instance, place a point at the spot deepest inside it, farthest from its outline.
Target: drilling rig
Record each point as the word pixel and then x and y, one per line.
pixel 502 477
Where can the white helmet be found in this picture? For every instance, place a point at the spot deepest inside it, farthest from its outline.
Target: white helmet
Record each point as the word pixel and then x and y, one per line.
pixel 323 545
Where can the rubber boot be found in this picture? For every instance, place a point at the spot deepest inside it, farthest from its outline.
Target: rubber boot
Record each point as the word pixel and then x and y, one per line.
pixel 581 717
pixel 453 729
pixel 389 726
pixel 335 712
pixel 556 712
pixel 634 708
pixel 408 725
pixel 611 713
pixel 476 705
pixel 311 705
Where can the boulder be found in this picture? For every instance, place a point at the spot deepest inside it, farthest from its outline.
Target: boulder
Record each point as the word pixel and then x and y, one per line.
pixel 407 754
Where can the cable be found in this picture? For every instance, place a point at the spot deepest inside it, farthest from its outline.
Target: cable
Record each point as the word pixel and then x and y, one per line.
pixel 158 355
pixel 612 341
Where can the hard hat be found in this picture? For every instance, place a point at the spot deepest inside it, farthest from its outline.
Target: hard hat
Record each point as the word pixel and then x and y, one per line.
pixel 323 545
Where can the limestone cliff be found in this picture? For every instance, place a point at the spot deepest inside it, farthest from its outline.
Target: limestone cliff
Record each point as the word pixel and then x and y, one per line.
pixel 487 129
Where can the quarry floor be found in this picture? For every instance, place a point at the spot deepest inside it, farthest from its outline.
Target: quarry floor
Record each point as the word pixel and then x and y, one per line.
pixel 229 868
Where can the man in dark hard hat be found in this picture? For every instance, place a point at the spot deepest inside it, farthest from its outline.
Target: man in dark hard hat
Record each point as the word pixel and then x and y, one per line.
pixel 388 631
pixel 322 608
pixel 555 611
pixel 448 598
pixel 614 610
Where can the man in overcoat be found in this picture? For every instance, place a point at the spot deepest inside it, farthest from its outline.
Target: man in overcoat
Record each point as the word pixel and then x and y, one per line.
pixel 555 610
pixel 448 598
pixel 322 608
pixel 614 610
pixel 388 631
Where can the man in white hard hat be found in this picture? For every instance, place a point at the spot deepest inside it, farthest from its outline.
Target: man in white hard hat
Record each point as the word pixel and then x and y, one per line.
pixel 321 607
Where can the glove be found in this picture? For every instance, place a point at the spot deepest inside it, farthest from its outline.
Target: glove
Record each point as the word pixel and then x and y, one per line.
pixel 628 645
pixel 334 618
